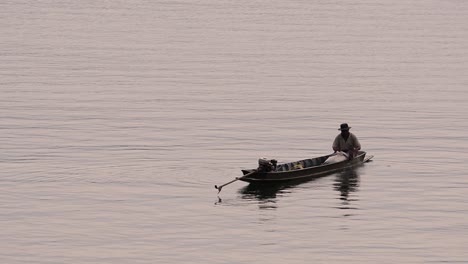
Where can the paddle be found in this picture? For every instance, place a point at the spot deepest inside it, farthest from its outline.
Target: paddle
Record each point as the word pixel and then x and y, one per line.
pixel 236 179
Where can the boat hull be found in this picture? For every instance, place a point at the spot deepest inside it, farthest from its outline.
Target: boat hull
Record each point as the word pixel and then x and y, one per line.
pixel 302 173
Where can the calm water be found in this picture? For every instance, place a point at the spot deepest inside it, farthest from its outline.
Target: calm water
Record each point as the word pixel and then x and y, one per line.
pixel 118 117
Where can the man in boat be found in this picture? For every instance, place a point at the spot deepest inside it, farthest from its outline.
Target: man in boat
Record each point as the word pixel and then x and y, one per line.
pixel 346 142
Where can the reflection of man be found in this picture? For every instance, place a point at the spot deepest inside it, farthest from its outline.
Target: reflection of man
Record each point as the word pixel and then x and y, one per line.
pixel 346 142
pixel 346 183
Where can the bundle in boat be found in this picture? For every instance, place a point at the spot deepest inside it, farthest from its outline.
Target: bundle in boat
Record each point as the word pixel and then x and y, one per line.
pixel 337 157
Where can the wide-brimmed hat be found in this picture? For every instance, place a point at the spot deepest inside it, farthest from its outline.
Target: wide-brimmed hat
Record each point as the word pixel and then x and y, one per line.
pixel 344 126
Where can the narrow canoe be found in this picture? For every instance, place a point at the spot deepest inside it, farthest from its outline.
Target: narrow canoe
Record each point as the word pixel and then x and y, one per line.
pixel 302 169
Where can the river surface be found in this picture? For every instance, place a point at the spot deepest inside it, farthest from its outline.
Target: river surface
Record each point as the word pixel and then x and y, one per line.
pixel 118 118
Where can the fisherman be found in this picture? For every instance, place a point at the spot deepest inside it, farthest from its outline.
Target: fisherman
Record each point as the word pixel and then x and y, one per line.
pixel 346 142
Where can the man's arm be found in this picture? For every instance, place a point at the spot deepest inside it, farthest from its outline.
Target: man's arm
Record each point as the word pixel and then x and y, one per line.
pixel 357 145
pixel 335 145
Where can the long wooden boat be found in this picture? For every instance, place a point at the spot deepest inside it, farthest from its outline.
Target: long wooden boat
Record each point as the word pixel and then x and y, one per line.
pixel 302 169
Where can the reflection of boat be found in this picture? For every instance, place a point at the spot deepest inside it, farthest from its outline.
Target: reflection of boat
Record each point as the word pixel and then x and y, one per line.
pixel 263 191
pixel 302 169
pixel 267 193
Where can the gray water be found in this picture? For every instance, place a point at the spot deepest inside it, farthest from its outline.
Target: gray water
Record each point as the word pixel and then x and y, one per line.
pixel 118 117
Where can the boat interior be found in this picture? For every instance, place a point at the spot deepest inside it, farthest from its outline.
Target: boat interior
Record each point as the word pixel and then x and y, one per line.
pixel 301 164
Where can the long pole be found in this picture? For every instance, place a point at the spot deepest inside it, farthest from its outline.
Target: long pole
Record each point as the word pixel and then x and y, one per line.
pixel 236 179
